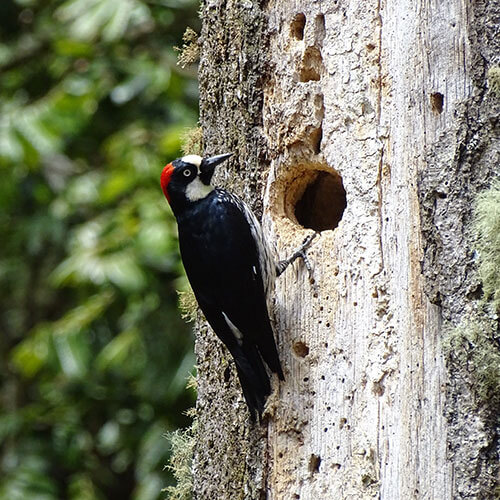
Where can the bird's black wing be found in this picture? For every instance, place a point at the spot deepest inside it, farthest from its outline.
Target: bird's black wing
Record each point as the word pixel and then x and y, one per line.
pixel 223 264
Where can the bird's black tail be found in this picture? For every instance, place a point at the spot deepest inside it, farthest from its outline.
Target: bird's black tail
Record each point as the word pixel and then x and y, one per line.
pixel 254 379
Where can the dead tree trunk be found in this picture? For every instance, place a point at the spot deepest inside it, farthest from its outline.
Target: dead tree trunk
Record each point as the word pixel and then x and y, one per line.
pixel 373 122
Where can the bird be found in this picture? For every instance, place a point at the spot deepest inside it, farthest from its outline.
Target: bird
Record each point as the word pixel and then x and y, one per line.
pixel 230 268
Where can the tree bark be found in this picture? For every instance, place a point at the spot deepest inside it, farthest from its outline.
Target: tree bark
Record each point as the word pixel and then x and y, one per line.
pixel 377 113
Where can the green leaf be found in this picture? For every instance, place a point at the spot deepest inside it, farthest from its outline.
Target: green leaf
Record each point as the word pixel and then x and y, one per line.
pixel 72 47
pixel 81 487
pixel 108 437
pixel 109 18
pixel 125 352
pixel 32 354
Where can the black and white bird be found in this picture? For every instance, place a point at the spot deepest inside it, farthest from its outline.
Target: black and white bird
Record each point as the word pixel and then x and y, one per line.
pixel 230 268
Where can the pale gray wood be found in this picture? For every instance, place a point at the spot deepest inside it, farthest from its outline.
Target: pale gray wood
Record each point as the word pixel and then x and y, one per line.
pixel 365 410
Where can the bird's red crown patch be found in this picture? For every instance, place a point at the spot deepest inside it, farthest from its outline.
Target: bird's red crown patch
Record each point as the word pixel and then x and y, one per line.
pixel 166 174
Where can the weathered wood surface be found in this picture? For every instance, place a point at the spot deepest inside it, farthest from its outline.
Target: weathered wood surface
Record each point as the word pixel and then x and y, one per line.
pixel 388 95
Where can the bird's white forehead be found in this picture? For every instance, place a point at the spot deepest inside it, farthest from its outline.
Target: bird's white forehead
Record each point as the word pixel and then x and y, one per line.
pixel 193 159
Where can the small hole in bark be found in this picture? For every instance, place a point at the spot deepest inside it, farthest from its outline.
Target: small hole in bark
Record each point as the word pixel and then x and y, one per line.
pixel 297 27
pixel 378 388
pixel 300 349
pixel 314 463
pixel 475 293
pixel 227 374
pixel 316 198
pixel 312 63
pixel 316 137
pixel 320 28
pixel 437 101
pixel 367 480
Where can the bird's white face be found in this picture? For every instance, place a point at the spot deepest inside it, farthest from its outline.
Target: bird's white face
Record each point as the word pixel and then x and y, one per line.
pixel 193 160
pixel 195 189
pixel 189 177
pixel 184 176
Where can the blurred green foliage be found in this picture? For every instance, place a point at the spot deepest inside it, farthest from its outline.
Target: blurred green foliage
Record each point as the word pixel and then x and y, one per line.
pixel 94 355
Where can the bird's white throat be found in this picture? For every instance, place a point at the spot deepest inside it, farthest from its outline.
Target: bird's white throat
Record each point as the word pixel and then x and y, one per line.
pixel 196 190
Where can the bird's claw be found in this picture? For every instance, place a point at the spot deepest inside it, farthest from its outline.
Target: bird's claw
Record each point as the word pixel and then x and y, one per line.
pixel 300 252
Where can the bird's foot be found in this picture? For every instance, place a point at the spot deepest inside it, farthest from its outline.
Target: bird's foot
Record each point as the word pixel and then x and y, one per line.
pixel 300 252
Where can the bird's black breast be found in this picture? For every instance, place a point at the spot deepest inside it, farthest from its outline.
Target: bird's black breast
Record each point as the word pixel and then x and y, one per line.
pixel 221 259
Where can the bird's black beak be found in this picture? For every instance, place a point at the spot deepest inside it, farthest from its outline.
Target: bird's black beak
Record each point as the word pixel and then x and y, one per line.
pixel 208 165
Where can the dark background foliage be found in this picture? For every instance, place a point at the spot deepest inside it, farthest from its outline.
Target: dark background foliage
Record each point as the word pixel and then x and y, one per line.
pixel 94 356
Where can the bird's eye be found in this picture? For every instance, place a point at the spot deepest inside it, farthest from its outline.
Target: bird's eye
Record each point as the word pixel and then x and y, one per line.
pixel 187 172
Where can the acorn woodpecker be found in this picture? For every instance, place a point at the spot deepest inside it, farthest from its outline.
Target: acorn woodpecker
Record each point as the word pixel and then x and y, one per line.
pixel 230 268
